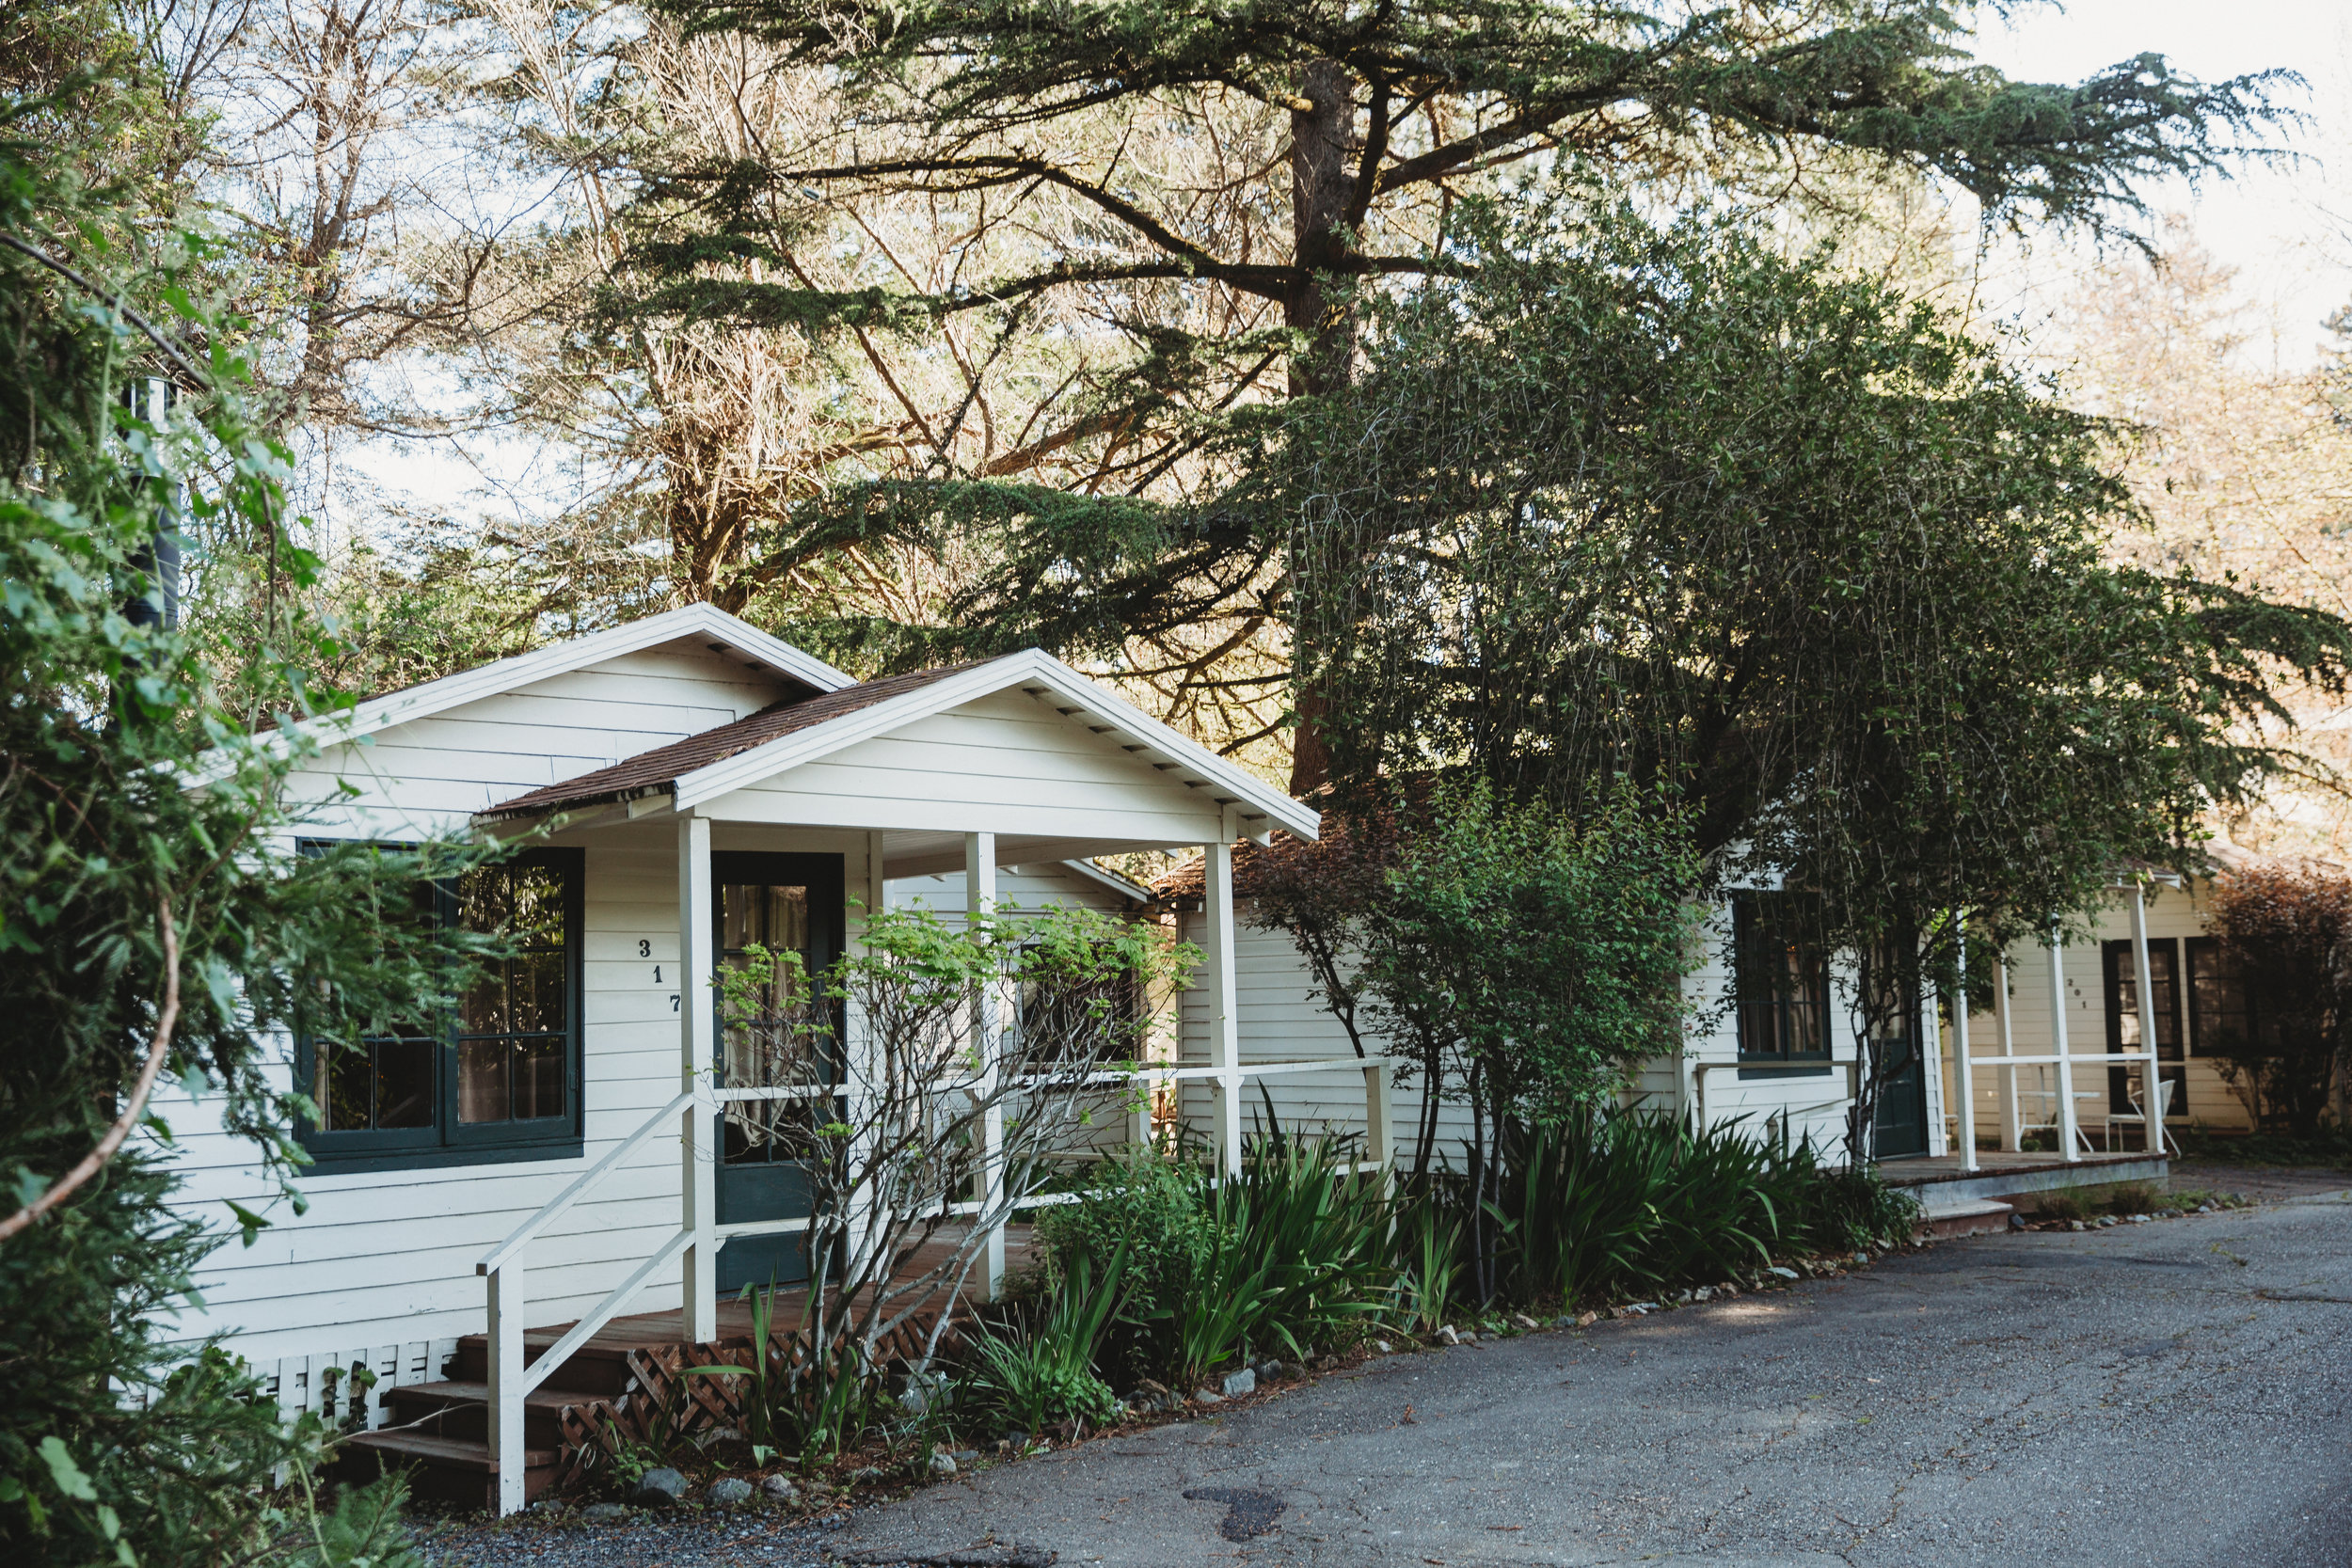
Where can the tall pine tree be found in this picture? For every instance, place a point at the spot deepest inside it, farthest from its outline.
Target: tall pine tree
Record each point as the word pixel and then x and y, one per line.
pixel 1340 133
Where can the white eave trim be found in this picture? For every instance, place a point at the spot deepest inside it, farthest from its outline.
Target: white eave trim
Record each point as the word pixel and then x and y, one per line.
pixel 1111 879
pixel 1252 800
pixel 700 621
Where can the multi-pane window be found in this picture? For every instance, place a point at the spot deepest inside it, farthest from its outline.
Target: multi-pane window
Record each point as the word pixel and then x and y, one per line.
pixel 1780 981
pixel 496 1076
pixel 2225 1017
pixel 1066 1018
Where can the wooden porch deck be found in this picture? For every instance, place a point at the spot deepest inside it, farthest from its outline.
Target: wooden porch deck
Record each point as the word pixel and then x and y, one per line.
pixel 646 1330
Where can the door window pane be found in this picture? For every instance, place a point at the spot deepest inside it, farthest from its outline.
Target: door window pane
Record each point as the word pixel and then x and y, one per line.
pixel 769 1041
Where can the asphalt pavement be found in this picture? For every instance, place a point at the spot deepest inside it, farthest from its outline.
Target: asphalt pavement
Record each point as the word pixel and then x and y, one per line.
pixel 2170 1393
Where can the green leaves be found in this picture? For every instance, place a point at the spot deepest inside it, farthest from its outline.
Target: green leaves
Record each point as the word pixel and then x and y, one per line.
pixel 1660 505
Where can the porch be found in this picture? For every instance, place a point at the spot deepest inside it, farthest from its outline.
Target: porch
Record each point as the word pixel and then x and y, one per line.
pixel 1018 761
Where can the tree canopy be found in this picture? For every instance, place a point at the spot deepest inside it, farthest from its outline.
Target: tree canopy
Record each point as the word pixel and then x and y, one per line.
pixel 1623 500
pixel 1220 174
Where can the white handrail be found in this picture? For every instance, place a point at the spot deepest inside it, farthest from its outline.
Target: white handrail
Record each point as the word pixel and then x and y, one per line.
pixel 602 1313
pixel 522 1234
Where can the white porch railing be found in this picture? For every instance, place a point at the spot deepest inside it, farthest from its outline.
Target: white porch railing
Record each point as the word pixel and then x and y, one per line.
pixel 510 1381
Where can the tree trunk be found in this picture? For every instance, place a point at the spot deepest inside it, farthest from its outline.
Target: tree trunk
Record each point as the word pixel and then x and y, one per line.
pixel 1322 138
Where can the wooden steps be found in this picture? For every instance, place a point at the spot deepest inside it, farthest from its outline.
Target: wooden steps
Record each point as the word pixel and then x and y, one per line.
pixel 457 1470
pixel 440 1432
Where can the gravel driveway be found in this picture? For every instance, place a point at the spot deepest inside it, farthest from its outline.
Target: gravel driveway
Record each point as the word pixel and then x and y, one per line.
pixel 2173 1393
pixel 2170 1393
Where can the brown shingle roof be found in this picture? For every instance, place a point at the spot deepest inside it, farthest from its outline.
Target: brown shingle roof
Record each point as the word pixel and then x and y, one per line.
pixel 651 771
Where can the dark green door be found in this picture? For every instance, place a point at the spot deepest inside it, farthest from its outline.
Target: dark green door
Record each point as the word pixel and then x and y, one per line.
pixel 784 904
pixel 1899 1127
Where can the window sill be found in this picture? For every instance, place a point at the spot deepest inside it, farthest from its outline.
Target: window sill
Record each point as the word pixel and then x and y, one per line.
pixel 1751 1071
pixel 363 1162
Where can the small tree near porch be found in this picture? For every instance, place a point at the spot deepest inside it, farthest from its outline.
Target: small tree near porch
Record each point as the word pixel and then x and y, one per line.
pixel 976 1056
pixel 2286 939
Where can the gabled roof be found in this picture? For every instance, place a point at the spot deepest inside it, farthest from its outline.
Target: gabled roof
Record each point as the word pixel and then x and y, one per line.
pixel 654 772
pixel 734 756
pixel 701 622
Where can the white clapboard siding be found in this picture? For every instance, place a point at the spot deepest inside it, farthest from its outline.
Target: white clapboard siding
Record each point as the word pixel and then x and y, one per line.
pixel 385 1258
pixel 1278 1021
pixel 1005 763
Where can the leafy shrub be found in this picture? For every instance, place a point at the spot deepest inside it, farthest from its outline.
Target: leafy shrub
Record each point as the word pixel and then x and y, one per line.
pixel 2134 1198
pixel 1833 1211
pixel 1632 1200
pixel 1026 1374
pixel 2063 1205
pixel 1635 1198
pixel 1293 1252
pixel 1157 1212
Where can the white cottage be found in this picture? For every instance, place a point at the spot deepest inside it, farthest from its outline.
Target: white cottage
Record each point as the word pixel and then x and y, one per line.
pixel 563 1151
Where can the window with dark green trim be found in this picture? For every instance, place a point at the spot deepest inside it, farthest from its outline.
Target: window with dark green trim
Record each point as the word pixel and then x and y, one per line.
pixel 1780 982
pixel 497 1077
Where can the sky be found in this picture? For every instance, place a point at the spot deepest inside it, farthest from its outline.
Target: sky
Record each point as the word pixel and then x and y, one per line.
pixel 2286 228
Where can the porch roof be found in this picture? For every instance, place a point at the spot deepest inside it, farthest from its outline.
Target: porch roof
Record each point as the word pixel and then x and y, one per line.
pixel 703 767
pixel 659 770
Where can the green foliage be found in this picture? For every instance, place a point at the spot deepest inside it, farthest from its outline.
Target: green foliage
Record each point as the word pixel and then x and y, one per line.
pixel 1154 1210
pixel 1526 960
pixel 1833 1211
pixel 1372 121
pixel 1625 501
pixel 1293 1253
pixel 1041 1367
pixel 137 809
pixel 1430 1245
pixel 1634 1201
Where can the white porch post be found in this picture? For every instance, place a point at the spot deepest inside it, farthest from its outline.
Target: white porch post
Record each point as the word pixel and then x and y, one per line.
pixel 508 1289
pixel 1380 1127
pixel 2069 1139
pixel 1224 1005
pixel 1931 1049
pixel 1964 1069
pixel 2011 1134
pixel 979 900
pixel 861 1066
pixel 698 1046
pixel 2145 986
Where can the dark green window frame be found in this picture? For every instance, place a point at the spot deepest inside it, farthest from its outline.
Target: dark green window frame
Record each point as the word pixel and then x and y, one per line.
pixel 446 1140
pixel 1780 988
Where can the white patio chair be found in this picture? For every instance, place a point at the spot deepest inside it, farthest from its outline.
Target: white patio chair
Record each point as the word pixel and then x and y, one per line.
pixel 2137 1117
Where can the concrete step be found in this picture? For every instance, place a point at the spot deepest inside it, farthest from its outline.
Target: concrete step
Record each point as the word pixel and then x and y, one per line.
pixel 1964 1216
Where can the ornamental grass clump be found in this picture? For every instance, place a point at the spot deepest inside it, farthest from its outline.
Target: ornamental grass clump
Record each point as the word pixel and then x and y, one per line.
pixel 1293 1252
